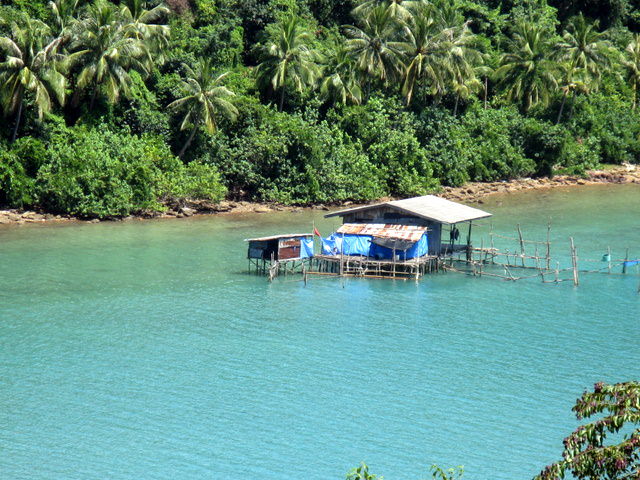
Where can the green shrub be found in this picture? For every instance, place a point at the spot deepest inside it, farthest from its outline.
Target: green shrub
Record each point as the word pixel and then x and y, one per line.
pixel 99 173
pixel 445 142
pixel 610 120
pixel 16 187
pixel 494 152
pixel 274 156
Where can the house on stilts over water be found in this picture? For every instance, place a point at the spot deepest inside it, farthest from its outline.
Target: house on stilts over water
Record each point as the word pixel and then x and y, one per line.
pixel 395 239
pixel 400 238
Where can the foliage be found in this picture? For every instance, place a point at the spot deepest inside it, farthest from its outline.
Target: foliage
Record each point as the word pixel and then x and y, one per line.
pixel 98 173
pixel 438 473
pixel 16 187
pixel 362 473
pixel 334 100
pixel 587 454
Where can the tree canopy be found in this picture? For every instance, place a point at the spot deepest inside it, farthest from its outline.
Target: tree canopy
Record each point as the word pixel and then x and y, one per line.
pixel 410 94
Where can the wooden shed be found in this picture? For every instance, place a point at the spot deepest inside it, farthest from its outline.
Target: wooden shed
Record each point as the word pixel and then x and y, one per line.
pixel 289 246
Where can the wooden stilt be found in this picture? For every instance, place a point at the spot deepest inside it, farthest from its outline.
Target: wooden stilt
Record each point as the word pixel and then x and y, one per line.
pixel 574 261
pixel 521 245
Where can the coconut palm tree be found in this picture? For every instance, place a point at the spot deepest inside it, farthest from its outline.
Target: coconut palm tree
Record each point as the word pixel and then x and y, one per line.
pixel 631 64
pixel 341 84
pixel 143 23
pixel 398 9
pixel 104 53
pixel 527 72
pixel 439 52
pixel 571 79
pixel 288 59
pixel 64 15
pixel 373 47
pixel 586 49
pixel 29 61
pixel 205 99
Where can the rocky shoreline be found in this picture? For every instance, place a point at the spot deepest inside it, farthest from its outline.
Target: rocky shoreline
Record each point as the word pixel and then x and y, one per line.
pixel 473 192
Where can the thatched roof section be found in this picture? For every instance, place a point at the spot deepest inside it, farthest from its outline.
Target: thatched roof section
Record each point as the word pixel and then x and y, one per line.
pixel 428 207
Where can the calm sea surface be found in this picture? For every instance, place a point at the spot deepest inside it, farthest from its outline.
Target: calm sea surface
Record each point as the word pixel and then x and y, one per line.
pixel 143 350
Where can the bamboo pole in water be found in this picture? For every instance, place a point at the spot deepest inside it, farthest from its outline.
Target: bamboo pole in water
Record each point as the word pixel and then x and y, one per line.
pixel 521 244
pixel 574 262
pixel 549 244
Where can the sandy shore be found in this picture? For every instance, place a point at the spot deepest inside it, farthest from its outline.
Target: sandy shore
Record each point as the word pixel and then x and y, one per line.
pixel 472 192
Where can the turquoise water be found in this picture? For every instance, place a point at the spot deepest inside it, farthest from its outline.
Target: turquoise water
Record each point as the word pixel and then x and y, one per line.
pixel 143 350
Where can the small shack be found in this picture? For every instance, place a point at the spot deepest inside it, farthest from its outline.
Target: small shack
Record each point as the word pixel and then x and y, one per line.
pixel 279 250
pixel 398 238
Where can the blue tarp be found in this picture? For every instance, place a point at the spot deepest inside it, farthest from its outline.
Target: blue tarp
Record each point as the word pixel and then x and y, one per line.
pixel 306 247
pixel 631 263
pixel 335 244
pixel 362 245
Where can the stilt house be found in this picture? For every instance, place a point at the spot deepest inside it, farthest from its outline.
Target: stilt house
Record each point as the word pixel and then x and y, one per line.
pixel 405 229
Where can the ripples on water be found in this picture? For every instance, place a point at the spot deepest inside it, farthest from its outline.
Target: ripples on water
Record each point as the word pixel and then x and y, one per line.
pixel 141 350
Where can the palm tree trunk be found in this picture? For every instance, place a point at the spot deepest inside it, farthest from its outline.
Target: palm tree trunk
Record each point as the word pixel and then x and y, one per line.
pixel 18 118
pixel 573 98
pixel 188 142
pixel 281 99
pixel 486 90
pixel 455 108
pixel 564 99
pixel 93 98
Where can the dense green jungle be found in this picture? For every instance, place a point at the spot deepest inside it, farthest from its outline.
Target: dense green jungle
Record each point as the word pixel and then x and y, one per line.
pixel 119 108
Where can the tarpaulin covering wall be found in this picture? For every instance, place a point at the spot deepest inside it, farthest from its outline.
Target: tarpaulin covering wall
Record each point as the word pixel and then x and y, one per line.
pixel 337 244
pixel 306 247
pixel 363 245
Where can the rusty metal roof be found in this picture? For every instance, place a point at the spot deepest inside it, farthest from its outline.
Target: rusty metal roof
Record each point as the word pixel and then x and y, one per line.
pixel 278 237
pixel 429 207
pixel 410 233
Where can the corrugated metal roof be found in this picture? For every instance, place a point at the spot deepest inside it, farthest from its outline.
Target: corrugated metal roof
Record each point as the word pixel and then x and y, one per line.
pixel 410 233
pixel 278 237
pixel 429 207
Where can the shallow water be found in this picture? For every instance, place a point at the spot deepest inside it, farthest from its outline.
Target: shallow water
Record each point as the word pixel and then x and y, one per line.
pixel 143 350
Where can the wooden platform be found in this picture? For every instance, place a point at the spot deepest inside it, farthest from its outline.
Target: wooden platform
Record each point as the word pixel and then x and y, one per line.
pixel 360 266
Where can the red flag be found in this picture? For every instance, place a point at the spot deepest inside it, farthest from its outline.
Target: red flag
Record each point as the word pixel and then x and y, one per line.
pixel 316 232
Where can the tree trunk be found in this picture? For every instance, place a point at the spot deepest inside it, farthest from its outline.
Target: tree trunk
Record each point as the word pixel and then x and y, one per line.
pixel 455 108
pixel 93 98
pixel 564 99
pixel 18 118
pixel 188 142
pixel 281 98
pixel 486 90
pixel 573 95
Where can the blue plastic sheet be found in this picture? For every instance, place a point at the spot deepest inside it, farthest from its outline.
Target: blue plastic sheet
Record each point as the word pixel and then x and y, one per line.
pixel 631 263
pixel 336 243
pixel 306 247
pixel 419 249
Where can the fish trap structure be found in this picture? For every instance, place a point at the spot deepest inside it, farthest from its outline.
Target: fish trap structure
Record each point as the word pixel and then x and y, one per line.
pixel 532 259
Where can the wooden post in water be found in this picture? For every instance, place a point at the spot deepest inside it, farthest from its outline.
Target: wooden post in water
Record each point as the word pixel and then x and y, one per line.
pixel 626 259
pixel 521 245
pixel 609 259
pixel 574 261
pixel 557 271
pixel 480 257
pixel 493 258
pixel 342 256
pixel 549 244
